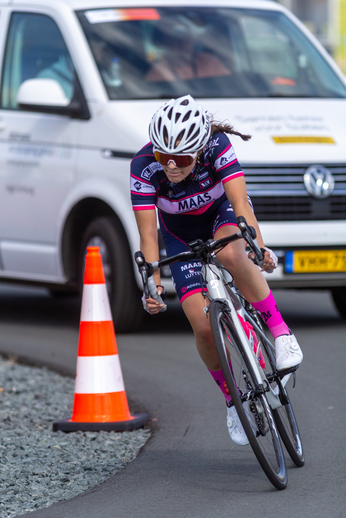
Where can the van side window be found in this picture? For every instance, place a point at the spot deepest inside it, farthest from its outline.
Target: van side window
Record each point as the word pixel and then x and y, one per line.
pixel 35 49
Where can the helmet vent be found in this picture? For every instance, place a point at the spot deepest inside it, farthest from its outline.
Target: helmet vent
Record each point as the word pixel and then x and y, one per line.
pixel 169 115
pixel 177 117
pixel 187 116
pixel 165 135
pixel 185 102
pixel 191 130
pixel 195 135
pixel 179 139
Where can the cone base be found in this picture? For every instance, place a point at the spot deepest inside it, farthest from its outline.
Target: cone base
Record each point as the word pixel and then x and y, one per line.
pixel 137 421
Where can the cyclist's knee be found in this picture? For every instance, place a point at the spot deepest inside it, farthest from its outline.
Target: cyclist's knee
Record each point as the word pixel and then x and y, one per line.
pixel 200 325
pixel 233 257
pixel 202 330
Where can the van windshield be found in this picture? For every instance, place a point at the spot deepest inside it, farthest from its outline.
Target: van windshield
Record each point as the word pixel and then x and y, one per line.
pixel 148 53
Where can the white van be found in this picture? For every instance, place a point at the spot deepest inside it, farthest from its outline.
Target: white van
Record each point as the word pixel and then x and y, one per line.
pixel 80 80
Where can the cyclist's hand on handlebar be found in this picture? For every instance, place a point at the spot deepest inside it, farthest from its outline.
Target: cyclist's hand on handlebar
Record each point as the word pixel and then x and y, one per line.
pixel 270 261
pixel 151 305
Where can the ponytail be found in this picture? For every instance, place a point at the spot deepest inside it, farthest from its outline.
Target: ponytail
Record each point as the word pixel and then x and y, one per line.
pixel 224 127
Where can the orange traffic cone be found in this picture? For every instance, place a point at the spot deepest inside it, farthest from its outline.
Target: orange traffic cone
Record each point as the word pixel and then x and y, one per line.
pixel 100 401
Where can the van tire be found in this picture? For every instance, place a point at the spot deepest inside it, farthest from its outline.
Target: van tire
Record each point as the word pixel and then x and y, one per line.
pixel 124 295
pixel 339 298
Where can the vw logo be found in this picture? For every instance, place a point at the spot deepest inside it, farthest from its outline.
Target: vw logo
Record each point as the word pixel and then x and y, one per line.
pixel 318 181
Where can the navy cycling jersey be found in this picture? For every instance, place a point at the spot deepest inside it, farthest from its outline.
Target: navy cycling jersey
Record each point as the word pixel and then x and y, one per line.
pixel 200 194
pixel 202 191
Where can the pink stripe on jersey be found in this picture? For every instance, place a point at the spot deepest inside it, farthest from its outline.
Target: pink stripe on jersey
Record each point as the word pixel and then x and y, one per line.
pixel 191 203
pixel 143 207
pixel 232 176
pixel 224 151
pixel 140 156
pixel 141 180
pixel 142 193
pixel 227 165
pixel 190 195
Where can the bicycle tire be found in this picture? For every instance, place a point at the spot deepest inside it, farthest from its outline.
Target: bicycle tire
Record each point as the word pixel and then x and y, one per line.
pixel 258 422
pixel 284 415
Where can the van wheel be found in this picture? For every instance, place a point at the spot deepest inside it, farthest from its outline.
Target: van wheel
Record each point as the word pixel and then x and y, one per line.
pixel 339 297
pixel 124 295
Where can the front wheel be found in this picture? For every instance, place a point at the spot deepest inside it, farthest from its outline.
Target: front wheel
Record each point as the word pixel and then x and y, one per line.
pixel 256 415
pixel 124 296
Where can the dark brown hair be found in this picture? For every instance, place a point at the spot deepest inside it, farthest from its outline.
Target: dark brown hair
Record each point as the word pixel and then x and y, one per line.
pixel 225 127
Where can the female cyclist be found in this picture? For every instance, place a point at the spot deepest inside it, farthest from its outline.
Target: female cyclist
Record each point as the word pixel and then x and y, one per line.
pixel 190 172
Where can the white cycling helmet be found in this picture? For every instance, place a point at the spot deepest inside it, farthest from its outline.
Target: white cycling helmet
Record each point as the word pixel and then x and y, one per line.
pixel 180 127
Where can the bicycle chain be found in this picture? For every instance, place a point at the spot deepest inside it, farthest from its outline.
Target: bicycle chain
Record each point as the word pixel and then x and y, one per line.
pixel 253 407
pixel 258 418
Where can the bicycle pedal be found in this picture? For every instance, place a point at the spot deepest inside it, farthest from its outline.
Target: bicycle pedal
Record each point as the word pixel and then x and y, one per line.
pixel 284 382
pixel 281 374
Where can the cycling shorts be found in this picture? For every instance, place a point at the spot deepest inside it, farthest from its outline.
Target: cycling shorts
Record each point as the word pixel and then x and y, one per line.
pixel 187 275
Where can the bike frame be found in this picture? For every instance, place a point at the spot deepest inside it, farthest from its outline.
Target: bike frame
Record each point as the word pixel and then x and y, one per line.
pixel 219 283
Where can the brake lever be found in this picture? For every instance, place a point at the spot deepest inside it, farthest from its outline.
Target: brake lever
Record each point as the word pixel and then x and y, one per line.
pixel 142 268
pixel 249 234
pixel 146 270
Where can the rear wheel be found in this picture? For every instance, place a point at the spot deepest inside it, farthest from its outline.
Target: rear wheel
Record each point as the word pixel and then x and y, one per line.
pixel 289 431
pixel 257 417
pixel 124 296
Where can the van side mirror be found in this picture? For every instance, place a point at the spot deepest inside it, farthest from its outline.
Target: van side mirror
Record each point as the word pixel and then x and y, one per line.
pixel 42 92
pixel 47 96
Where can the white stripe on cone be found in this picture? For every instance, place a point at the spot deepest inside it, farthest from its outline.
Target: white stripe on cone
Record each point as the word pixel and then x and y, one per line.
pixel 95 304
pixel 98 375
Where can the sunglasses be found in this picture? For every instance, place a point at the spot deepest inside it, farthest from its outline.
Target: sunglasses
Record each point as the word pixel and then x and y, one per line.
pixel 178 160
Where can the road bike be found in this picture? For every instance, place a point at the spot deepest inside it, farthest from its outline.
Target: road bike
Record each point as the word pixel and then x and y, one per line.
pixel 247 356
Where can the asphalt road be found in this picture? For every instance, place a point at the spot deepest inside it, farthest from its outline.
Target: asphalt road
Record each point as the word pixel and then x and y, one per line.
pixel 190 468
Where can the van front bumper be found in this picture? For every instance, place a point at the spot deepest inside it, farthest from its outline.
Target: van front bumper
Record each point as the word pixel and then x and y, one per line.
pixel 279 279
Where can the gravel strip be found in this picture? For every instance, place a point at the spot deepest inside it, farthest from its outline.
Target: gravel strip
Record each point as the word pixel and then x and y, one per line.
pixel 40 467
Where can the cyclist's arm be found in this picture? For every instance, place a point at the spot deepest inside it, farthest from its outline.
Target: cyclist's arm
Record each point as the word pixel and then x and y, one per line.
pixel 237 196
pixel 147 227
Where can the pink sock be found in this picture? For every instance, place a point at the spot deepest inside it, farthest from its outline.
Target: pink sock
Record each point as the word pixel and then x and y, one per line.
pixel 221 382
pixel 271 316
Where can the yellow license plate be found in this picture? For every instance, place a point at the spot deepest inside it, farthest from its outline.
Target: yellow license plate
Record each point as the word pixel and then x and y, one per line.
pixel 315 261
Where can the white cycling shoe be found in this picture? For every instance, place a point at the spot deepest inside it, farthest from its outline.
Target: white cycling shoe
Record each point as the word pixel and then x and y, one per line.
pixel 235 428
pixel 288 352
